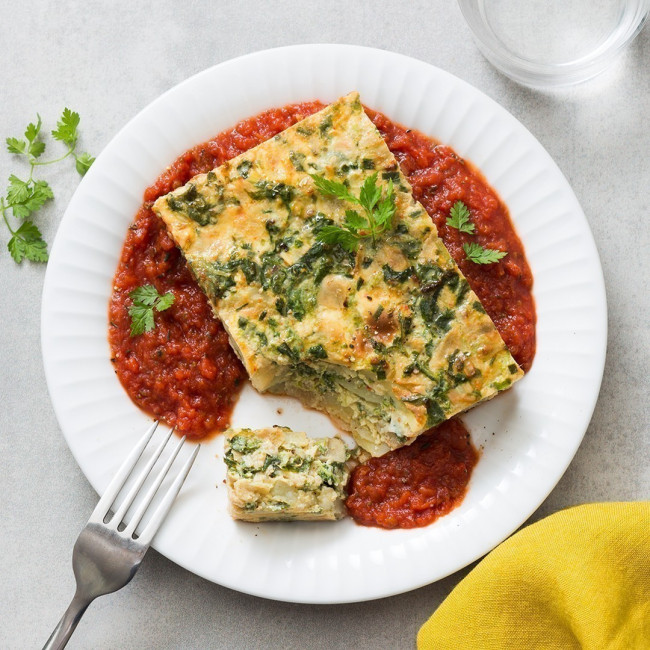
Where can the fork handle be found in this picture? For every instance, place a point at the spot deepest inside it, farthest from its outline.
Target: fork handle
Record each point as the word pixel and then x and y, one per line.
pixel 68 623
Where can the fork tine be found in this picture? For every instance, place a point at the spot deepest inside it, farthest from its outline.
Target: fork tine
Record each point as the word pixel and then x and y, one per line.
pixel 151 493
pixel 142 477
pixel 161 511
pixel 121 476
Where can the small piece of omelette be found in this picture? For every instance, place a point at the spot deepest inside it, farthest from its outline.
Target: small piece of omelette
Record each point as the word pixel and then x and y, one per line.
pixel 389 339
pixel 280 474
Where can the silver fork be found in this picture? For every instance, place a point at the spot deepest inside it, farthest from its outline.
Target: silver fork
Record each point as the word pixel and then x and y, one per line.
pixel 107 555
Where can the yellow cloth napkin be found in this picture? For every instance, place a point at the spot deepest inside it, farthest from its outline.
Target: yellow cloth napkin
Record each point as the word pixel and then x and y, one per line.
pixel 577 579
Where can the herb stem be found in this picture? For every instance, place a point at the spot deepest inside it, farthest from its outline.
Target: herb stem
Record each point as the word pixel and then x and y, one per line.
pixel 3 209
pixel 373 226
pixel 55 160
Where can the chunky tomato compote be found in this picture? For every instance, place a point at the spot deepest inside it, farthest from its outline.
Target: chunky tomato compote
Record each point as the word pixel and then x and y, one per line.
pixel 185 373
pixel 414 485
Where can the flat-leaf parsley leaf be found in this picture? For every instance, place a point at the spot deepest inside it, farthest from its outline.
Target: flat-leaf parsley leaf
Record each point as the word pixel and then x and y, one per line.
pixel 83 163
pixel 145 299
pixel 459 218
pixel 24 197
pixel 27 243
pixel 377 216
pixel 66 127
pixel 476 253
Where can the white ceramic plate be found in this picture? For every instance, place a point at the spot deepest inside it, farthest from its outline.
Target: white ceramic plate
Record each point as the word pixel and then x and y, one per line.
pixel 529 434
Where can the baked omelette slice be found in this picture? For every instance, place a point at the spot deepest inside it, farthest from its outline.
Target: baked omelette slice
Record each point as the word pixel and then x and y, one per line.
pixel 280 474
pixel 388 340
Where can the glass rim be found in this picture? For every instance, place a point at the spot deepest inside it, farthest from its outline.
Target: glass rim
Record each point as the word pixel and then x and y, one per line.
pixel 536 73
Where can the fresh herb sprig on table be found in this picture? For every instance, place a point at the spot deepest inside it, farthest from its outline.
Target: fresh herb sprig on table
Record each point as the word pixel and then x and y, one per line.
pixel 145 299
pixel 25 197
pixel 459 218
pixel 377 216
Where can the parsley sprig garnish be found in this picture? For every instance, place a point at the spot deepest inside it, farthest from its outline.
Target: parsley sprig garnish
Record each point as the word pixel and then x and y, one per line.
pixel 145 299
pixel 377 216
pixel 25 197
pixel 459 218
pixel 476 253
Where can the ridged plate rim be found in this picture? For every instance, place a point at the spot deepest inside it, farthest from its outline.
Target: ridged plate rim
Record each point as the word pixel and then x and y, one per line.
pixel 538 425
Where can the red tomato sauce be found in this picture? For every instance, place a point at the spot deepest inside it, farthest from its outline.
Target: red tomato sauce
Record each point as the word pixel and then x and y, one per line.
pixel 185 373
pixel 414 485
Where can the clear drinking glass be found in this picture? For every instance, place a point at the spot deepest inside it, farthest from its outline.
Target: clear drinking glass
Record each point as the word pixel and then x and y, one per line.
pixel 543 43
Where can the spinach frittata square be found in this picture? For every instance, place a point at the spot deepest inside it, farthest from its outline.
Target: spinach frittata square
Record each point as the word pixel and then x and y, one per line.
pixel 283 475
pixel 381 331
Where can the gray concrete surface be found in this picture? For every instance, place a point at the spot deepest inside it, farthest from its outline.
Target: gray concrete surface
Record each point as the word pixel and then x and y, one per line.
pixel 108 60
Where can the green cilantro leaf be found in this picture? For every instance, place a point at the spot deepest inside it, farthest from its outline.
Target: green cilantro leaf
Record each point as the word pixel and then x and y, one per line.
pixel 377 214
pixel 145 295
pixel 26 197
pixel 32 146
pixel 370 193
pixel 331 234
pixel 354 221
pixel 459 218
pixel 41 193
pixel 332 188
pixel 18 190
pixel 83 163
pixel 66 130
pixel 480 255
pixel 386 209
pixel 27 242
pixel 165 301
pixel 141 319
pixel 145 299
pixel 32 130
pixel 36 148
pixel 14 145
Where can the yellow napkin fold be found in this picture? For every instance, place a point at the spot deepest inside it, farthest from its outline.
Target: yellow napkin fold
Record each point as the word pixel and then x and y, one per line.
pixel 577 579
